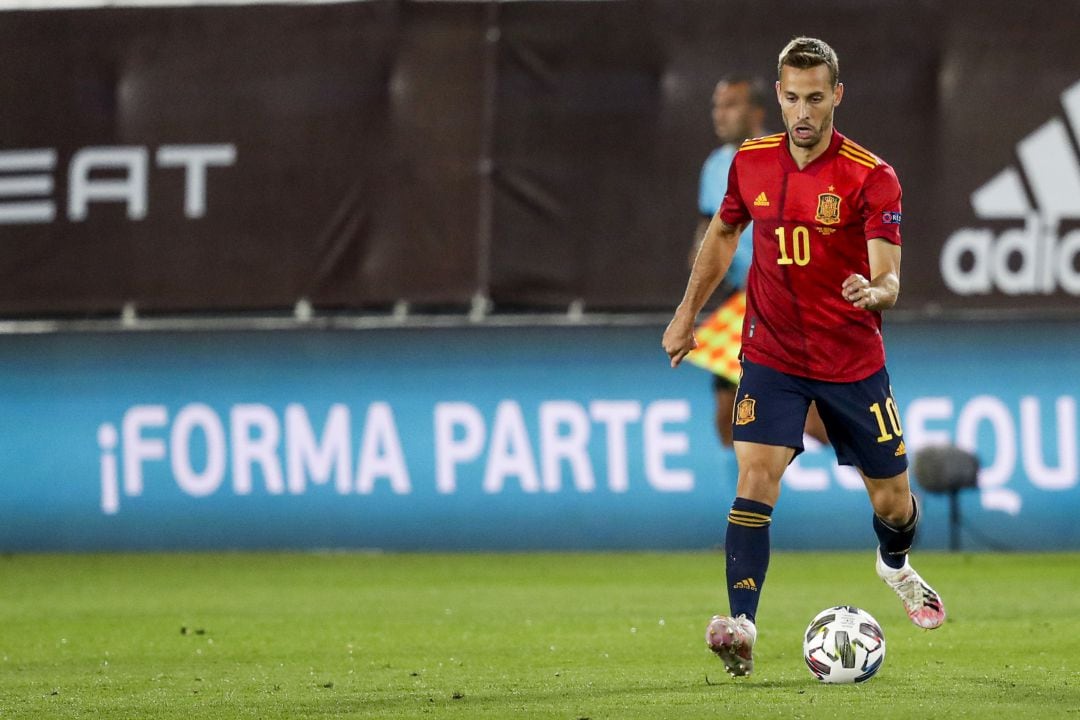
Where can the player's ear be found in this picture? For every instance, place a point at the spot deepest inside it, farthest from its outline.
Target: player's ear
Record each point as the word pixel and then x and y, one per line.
pixel 838 93
pixel 778 91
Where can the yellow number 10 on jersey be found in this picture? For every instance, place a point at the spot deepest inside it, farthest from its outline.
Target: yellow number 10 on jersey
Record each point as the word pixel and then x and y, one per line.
pixel 800 246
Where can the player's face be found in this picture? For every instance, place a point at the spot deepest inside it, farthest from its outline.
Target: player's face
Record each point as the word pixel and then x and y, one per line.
pixel 732 112
pixel 807 100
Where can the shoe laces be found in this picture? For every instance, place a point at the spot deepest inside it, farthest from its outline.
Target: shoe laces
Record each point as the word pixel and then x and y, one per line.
pixel 911 589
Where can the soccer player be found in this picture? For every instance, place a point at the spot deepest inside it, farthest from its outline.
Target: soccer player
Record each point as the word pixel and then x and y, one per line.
pixel 738 113
pixel 826 214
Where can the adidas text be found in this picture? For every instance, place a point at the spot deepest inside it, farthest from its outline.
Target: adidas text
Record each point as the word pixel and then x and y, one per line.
pixel 1040 255
pixel 1018 261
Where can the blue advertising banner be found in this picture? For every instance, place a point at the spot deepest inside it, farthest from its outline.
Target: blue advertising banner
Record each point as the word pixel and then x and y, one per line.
pixel 487 438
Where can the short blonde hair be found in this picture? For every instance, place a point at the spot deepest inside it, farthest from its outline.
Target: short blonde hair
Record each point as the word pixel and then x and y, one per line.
pixel 808 52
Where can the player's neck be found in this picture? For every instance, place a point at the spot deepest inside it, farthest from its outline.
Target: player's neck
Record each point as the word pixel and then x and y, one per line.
pixel 803 156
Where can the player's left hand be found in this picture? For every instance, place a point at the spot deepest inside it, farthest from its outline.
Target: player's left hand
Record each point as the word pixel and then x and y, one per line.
pixel 858 291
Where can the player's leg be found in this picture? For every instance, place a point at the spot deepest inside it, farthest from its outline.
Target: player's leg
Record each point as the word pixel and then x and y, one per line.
pixel 896 517
pixel 747 550
pixel 768 427
pixel 769 415
pixel 863 422
pixel 747 542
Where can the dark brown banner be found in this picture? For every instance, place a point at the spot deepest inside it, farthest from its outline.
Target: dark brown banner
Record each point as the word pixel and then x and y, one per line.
pixel 535 153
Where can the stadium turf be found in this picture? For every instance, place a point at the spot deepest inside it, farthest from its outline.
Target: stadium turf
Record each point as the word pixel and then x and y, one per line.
pixel 513 636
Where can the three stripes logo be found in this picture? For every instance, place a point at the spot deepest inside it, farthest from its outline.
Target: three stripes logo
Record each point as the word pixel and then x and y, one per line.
pixel 761 200
pixel 1032 257
pixel 746 584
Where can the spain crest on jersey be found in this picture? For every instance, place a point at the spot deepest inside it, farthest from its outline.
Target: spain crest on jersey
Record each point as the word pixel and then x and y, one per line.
pixel 828 209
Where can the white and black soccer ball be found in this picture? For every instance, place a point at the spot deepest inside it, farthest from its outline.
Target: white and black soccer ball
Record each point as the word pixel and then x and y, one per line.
pixel 844 645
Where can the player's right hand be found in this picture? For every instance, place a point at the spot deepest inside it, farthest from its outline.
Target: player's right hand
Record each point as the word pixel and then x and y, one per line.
pixel 678 339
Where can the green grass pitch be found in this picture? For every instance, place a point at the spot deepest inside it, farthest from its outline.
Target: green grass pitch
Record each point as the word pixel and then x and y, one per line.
pixel 564 636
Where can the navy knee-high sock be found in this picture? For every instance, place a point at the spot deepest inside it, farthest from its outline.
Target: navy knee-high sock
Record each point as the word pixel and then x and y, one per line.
pixel 895 542
pixel 747 549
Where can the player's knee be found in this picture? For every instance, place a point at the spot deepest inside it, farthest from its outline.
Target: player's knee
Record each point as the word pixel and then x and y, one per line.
pixel 758 481
pixel 892 504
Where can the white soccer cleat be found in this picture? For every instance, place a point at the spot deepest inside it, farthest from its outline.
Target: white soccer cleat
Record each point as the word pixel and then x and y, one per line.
pixel 732 639
pixel 922 603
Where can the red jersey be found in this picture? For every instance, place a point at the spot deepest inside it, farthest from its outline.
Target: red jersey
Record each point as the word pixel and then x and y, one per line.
pixel 811 228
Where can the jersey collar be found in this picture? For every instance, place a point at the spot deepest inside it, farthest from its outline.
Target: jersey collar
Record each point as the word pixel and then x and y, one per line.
pixel 789 162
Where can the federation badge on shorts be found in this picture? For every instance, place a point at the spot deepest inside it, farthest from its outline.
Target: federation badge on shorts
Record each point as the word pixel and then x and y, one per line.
pixel 744 411
pixel 828 209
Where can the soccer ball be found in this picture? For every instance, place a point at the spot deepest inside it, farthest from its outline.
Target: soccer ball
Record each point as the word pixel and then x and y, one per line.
pixel 843 645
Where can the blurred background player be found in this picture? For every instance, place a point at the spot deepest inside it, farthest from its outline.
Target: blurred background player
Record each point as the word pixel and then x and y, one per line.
pixel 826 263
pixel 738 113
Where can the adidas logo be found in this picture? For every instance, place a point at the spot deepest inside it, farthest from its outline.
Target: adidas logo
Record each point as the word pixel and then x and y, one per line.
pixel 901 449
pixel 1030 258
pixel 761 201
pixel 747 584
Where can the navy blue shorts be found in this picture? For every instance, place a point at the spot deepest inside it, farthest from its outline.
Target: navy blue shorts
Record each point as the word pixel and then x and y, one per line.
pixel 861 418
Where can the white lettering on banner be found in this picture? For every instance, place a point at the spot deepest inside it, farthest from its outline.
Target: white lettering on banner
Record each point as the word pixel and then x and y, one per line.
pixel 804 479
pixel 660 443
pixel 254 439
pixel 616 415
pixel 922 411
pixel 565 436
pixel 573 446
pixel 992 477
pixel 249 450
pixel 380 453
pixel 195 159
pixel 810 479
pixel 32 208
pixel 110 483
pixel 1031 260
pixel 449 453
pixel 1022 261
pixel 934 421
pixel 321 459
pixel 138 449
pixel 129 188
pixel 849 478
pixel 289 454
pixel 103 174
pixel 197 484
pixel 1064 475
pixel 510 452
pixel 996 475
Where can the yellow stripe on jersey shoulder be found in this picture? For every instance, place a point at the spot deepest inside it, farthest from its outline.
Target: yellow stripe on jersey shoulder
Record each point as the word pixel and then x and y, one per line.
pixel 776 137
pixel 860 151
pixel 844 152
pixel 856 146
pixel 767 141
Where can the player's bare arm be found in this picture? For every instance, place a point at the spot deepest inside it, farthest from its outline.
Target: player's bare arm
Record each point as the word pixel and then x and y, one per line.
pixel 711 264
pixel 882 290
pixel 699 237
